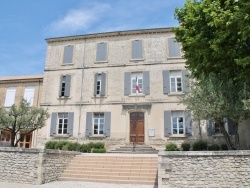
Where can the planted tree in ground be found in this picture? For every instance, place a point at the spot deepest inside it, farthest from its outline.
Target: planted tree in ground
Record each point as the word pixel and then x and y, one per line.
pixel 22 120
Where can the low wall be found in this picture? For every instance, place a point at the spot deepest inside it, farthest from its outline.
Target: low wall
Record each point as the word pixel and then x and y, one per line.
pixel 204 169
pixel 33 166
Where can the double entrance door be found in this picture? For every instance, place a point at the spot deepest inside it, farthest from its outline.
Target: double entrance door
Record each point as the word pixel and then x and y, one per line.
pixel 137 127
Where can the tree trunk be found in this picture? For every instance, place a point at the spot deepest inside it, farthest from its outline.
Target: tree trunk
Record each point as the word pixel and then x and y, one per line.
pixel 12 139
pixel 237 138
pixel 228 140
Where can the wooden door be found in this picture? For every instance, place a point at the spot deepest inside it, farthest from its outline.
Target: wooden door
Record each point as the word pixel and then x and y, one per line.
pixel 137 127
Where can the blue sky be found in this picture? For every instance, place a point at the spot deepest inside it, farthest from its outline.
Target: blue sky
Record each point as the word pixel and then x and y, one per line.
pixel 24 25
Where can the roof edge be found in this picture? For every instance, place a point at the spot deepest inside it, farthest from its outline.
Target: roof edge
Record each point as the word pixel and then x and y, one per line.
pixel 26 77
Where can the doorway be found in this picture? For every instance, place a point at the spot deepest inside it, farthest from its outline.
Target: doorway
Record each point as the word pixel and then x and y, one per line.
pixel 137 127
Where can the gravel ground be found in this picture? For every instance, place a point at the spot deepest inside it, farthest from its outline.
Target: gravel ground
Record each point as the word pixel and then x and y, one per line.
pixel 73 184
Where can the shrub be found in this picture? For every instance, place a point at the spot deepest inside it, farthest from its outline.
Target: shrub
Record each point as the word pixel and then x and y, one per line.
pixel 91 145
pixel 59 145
pixel 171 147
pixel 200 145
pixel 98 145
pixel 65 147
pixel 101 150
pixel 50 145
pixel 224 147
pixel 214 147
pixel 77 146
pixel 185 146
pixel 85 148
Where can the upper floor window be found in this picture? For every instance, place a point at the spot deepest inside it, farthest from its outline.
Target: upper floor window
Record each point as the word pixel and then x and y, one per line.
pixel 137 49
pixel 65 86
pixel 101 52
pixel 100 84
pixel 173 48
pixel 177 124
pixel 29 94
pixel 98 123
pixel 136 83
pixel 175 81
pixel 10 96
pixel 68 54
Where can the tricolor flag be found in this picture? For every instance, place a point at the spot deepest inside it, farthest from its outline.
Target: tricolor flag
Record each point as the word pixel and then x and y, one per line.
pixel 137 88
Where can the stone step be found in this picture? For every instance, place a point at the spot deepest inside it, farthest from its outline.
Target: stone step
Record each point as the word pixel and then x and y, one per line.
pixel 137 149
pixel 123 170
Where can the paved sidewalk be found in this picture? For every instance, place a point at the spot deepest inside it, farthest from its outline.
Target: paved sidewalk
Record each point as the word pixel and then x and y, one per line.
pixel 73 184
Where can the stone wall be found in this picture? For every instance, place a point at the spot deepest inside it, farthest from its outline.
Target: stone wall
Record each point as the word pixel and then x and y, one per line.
pixel 204 169
pixel 33 166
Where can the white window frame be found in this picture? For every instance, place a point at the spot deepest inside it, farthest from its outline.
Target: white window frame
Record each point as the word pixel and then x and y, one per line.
pixel 176 86
pixel 63 125
pixel 98 119
pixel 10 96
pixel 176 117
pixel 139 77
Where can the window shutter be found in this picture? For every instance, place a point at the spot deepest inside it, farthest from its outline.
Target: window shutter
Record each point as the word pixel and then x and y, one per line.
pixel 67 85
pixel 146 83
pixel 101 52
pixel 103 84
pixel 95 84
pixel 167 123
pixel 127 83
pixel 188 122
pixel 68 54
pixel 136 49
pixel 53 124
pixel 10 96
pixel 210 128
pixel 166 81
pixel 70 123
pixel 88 124
pixel 231 127
pixel 107 123
pixel 29 94
pixel 185 81
pixel 174 48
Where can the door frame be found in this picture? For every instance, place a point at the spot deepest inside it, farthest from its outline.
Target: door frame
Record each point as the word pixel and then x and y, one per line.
pixel 137 118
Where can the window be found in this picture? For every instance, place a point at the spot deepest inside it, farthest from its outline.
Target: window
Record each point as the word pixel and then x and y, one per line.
pixel 25 141
pixel 100 84
pixel 62 123
pixel 177 125
pixel 98 123
pixel 174 48
pixel 10 96
pixel 175 81
pixel 101 52
pixel 68 54
pixel 136 83
pixel 29 94
pixel 217 129
pixel 65 86
pixel 136 49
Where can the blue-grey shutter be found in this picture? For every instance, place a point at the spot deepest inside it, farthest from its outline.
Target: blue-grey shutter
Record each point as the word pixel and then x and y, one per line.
pixel 88 131
pixel 146 83
pixel 188 122
pixel 174 48
pixel 185 81
pixel 210 128
pixel 136 49
pixel 95 84
pixel 70 123
pixel 231 127
pixel 167 123
pixel 166 81
pixel 127 83
pixel 68 54
pixel 53 124
pixel 60 91
pixel 107 123
pixel 101 53
pixel 67 85
pixel 103 84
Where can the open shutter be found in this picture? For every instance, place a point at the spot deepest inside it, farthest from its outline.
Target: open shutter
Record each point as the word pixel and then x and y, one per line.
pixel 146 83
pixel 103 84
pixel 166 81
pixel 88 131
pixel 127 83
pixel 70 123
pixel 174 48
pixel 185 81
pixel 101 53
pixel 231 127
pixel 210 128
pixel 136 49
pixel 107 123
pixel 53 124
pixel 68 54
pixel 167 123
pixel 67 85
pixel 188 122
pixel 95 84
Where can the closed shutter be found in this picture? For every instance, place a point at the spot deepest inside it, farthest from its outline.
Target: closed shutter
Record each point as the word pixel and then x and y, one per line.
pixel 185 81
pixel 166 81
pixel 146 83
pixel 67 86
pixel 127 83
pixel 188 122
pixel 95 84
pixel 29 94
pixel 101 53
pixel 68 54
pixel 167 123
pixel 107 123
pixel 136 49
pixel 53 124
pixel 10 96
pixel 70 123
pixel 210 128
pixel 174 48
pixel 231 127
pixel 88 131
pixel 103 84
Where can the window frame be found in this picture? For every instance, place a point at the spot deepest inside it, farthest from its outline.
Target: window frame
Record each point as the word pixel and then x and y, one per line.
pixel 63 128
pixel 177 125
pixel 139 76
pixel 176 84
pixel 100 131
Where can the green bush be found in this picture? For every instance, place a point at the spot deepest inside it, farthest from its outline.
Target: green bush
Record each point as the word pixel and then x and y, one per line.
pixel 171 147
pixel 85 148
pixel 77 146
pixel 98 145
pixel 200 145
pixel 50 145
pixel 185 146
pixel 59 145
pixel 91 145
pixel 214 147
pixel 101 150
pixel 65 147
pixel 224 147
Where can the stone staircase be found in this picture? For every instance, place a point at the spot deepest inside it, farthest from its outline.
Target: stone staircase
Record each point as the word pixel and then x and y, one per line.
pixel 113 168
pixel 136 149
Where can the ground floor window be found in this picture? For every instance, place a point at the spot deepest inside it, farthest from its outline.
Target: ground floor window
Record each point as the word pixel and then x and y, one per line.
pixel 98 123
pixel 62 123
pixel 25 141
pixel 177 125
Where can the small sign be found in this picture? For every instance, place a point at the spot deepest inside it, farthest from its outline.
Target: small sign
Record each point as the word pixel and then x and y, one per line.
pixel 151 132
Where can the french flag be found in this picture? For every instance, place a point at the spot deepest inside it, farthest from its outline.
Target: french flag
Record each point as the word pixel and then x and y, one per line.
pixel 137 87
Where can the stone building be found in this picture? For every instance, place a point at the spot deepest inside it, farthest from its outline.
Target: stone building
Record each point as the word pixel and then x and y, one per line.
pixel 12 91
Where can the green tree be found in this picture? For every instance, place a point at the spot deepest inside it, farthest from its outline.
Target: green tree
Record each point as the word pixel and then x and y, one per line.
pixel 22 120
